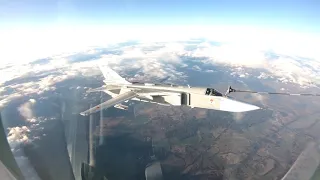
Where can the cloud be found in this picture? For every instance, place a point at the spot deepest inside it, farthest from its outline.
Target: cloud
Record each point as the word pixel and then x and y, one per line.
pixel 294 70
pixel 33 101
pixel 48 41
pixel 27 112
pixel 152 64
pixel 27 134
pixel 286 68
pixel 37 79
pixel 209 71
pixel 41 76
pixel 196 68
pixel 263 75
pixel 18 135
pixel 232 54
pixel 8 98
pixel 156 60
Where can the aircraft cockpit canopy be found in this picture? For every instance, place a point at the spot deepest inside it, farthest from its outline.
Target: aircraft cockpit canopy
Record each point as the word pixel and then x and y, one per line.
pixel 213 92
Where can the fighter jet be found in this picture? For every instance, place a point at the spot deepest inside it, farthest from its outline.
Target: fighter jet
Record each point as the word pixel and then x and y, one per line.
pixel 122 90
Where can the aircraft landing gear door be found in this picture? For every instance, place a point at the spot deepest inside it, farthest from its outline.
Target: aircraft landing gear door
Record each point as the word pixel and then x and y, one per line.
pixel 185 99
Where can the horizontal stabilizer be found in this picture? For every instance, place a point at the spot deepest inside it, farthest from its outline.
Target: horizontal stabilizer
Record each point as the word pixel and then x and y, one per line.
pixel 111 102
pixel 121 106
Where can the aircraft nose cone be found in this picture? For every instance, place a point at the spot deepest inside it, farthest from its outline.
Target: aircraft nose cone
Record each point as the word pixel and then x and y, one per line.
pixel 236 106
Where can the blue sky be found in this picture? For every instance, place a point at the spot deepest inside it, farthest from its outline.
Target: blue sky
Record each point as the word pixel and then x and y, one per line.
pixel 296 15
pixel 38 28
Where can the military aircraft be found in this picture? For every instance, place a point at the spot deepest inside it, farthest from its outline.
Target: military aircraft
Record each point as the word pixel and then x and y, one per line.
pixel 163 94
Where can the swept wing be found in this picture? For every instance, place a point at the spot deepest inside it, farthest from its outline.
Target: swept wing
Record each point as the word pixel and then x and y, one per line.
pixel 111 102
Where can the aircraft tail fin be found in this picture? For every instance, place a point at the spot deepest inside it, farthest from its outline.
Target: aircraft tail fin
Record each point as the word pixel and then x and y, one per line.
pixel 111 77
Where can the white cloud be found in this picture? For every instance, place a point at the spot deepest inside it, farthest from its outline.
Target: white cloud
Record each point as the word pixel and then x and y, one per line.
pixel 159 60
pixel 295 71
pixel 48 75
pixel 209 71
pixel 184 65
pixel 263 76
pixel 33 101
pixel 153 64
pixel 18 135
pixel 233 54
pixel 236 55
pixel 8 98
pixel 28 44
pixel 196 68
pixel 26 134
pixel 26 110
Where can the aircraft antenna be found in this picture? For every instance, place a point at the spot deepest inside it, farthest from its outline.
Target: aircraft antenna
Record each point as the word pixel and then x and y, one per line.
pixel 230 90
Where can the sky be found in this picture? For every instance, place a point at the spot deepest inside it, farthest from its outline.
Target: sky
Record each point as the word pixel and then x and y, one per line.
pixel 302 15
pixel 37 28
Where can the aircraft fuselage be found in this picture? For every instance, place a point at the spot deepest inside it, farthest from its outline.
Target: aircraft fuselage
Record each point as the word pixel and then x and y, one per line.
pixel 199 97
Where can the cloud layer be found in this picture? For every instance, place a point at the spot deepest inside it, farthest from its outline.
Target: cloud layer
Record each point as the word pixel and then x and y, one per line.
pixel 149 61
pixel 28 44
pixel 285 68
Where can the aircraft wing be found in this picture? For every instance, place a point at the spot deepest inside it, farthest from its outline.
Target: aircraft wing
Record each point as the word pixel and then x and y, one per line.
pixel 111 102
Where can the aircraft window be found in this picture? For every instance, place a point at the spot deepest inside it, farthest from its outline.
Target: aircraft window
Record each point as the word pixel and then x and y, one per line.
pixel 215 93
pixel 208 91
